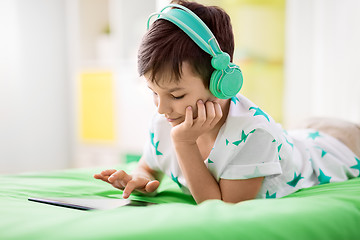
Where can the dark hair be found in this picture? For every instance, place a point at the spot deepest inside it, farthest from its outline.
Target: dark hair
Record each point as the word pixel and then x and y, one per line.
pixel 165 46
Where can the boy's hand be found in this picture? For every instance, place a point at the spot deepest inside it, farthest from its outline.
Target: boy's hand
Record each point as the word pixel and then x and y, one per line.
pixel 209 114
pixel 121 180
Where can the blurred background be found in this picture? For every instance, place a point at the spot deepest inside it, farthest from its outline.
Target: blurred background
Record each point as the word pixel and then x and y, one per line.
pixel 70 95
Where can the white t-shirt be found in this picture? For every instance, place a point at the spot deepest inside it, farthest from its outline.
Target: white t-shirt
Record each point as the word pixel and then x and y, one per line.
pixel 251 144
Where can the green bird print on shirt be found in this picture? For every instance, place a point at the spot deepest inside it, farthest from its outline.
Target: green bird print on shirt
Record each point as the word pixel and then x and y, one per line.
pixel 260 112
pixel 243 137
pixel 296 179
pixel 357 166
pixel 314 135
pixel 323 178
pixel 323 152
pixel 234 100
pixel 279 148
pixel 155 145
pixel 270 196
pixel 176 180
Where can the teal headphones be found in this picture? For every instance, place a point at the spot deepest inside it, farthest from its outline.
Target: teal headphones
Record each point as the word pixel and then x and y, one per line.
pixel 226 81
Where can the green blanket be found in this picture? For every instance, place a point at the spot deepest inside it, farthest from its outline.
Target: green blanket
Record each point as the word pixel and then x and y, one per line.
pixel 329 211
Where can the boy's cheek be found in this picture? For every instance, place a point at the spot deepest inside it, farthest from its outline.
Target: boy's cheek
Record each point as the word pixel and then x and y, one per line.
pixel 213 99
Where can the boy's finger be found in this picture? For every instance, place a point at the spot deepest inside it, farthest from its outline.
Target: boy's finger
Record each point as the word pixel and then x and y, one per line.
pixel 218 113
pixel 152 186
pixel 108 172
pixel 120 175
pixel 201 118
pixel 101 177
pixel 189 117
pixel 210 112
pixel 130 186
pixel 98 176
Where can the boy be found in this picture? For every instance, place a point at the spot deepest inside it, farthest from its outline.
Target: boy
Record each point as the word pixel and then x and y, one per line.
pixel 222 147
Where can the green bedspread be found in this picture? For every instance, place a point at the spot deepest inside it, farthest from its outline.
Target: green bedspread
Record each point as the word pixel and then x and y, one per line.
pixel 330 211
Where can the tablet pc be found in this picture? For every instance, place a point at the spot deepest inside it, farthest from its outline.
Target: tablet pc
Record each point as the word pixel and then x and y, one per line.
pixel 90 204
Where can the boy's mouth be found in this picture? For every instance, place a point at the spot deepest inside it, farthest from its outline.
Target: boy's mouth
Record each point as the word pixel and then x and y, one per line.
pixel 172 119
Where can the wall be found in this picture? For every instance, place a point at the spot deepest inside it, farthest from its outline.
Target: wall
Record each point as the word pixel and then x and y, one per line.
pixel 130 107
pixel 259 32
pixel 34 116
pixel 322 60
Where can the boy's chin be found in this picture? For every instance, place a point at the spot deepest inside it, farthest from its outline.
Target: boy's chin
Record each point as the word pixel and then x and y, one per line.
pixel 175 123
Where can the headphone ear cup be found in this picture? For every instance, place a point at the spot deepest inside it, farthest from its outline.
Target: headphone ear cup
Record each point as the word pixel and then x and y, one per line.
pixel 214 81
pixel 225 84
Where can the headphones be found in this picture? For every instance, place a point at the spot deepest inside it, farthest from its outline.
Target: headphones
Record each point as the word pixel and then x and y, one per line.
pixel 226 81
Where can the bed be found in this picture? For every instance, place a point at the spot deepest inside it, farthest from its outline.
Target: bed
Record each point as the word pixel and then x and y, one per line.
pixel 328 211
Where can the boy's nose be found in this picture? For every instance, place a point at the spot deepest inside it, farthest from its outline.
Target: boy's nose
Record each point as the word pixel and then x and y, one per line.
pixel 163 107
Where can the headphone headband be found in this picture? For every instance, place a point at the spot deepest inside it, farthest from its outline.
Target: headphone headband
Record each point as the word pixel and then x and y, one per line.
pixel 197 30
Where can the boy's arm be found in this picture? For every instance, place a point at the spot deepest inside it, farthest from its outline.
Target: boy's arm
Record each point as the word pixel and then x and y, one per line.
pixel 201 183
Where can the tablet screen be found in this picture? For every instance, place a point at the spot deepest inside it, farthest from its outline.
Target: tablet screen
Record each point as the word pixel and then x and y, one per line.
pixel 90 204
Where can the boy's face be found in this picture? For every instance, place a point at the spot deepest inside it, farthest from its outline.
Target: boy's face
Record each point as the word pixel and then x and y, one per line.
pixel 171 98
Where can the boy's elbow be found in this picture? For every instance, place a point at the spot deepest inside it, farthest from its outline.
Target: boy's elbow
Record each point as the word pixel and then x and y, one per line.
pixel 235 200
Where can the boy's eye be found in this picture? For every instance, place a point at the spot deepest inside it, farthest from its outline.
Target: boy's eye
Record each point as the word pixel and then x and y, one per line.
pixel 179 97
